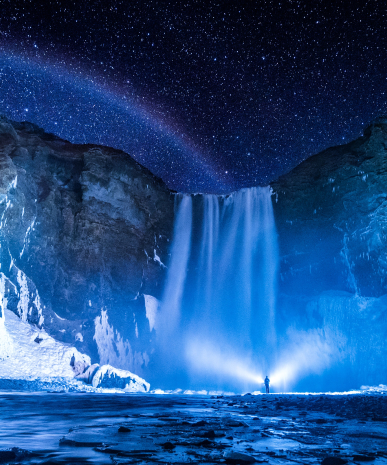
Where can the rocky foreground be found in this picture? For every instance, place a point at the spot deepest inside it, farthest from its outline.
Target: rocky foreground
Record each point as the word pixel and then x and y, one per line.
pixel 123 429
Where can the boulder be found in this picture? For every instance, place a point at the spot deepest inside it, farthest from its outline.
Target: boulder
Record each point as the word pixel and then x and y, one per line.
pixel 108 377
pixel 87 375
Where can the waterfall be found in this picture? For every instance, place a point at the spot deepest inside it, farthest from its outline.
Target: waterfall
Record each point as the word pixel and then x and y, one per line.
pixel 218 308
pixel 178 267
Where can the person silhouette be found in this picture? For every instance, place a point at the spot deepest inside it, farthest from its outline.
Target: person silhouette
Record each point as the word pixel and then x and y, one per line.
pixel 267 385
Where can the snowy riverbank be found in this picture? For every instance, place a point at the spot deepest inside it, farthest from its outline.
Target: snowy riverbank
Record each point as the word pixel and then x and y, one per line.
pixel 31 360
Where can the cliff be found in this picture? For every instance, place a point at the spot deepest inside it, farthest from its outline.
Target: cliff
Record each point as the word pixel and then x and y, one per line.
pixel 84 233
pixel 331 218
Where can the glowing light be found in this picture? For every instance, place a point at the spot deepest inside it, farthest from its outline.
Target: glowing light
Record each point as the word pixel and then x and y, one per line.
pixel 305 353
pixel 207 357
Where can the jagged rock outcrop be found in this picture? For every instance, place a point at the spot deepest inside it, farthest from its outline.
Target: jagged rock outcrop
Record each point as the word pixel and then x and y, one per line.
pixel 84 234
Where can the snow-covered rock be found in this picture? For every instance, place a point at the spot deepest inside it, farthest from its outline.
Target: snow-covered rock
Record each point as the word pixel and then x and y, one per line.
pixel 30 359
pixel 108 377
pixel 88 375
pixel 29 352
pixel 6 348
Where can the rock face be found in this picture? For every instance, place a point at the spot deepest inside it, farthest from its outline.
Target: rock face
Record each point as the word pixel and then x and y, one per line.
pixel 334 205
pixel 331 217
pixel 84 233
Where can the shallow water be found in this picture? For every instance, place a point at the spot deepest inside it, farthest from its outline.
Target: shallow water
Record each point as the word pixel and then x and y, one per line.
pixel 80 428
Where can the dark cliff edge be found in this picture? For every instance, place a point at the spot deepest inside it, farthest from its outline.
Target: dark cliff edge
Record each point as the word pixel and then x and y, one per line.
pixel 331 218
pixel 85 232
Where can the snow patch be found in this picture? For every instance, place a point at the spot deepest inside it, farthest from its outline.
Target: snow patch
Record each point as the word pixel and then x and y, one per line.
pixel 24 296
pixel 156 258
pixel 38 306
pixel 113 349
pixel 87 376
pixel 26 237
pixel 6 348
pixel 382 388
pixel 3 300
pixel 152 306
pixel 13 184
pixel 7 205
pixel 36 354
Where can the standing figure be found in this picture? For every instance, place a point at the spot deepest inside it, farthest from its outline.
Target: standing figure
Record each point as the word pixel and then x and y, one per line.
pixel 267 384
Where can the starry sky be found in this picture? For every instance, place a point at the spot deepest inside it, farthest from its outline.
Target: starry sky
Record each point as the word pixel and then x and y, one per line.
pixel 210 96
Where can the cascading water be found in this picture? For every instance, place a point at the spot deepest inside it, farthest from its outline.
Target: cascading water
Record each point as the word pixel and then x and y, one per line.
pixel 217 322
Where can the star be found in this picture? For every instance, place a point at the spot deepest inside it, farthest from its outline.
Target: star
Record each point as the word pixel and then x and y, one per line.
pixel 274 83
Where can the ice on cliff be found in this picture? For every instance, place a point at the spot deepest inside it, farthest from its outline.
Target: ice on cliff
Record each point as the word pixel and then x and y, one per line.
pixel 29 353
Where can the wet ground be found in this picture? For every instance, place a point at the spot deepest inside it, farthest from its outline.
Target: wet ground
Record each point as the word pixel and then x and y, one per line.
pixel 77 428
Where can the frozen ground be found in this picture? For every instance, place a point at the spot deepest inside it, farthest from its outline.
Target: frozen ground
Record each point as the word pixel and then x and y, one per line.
pixel 87 428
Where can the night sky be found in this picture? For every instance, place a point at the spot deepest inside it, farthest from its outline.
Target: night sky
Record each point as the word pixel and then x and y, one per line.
pixel 210 96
